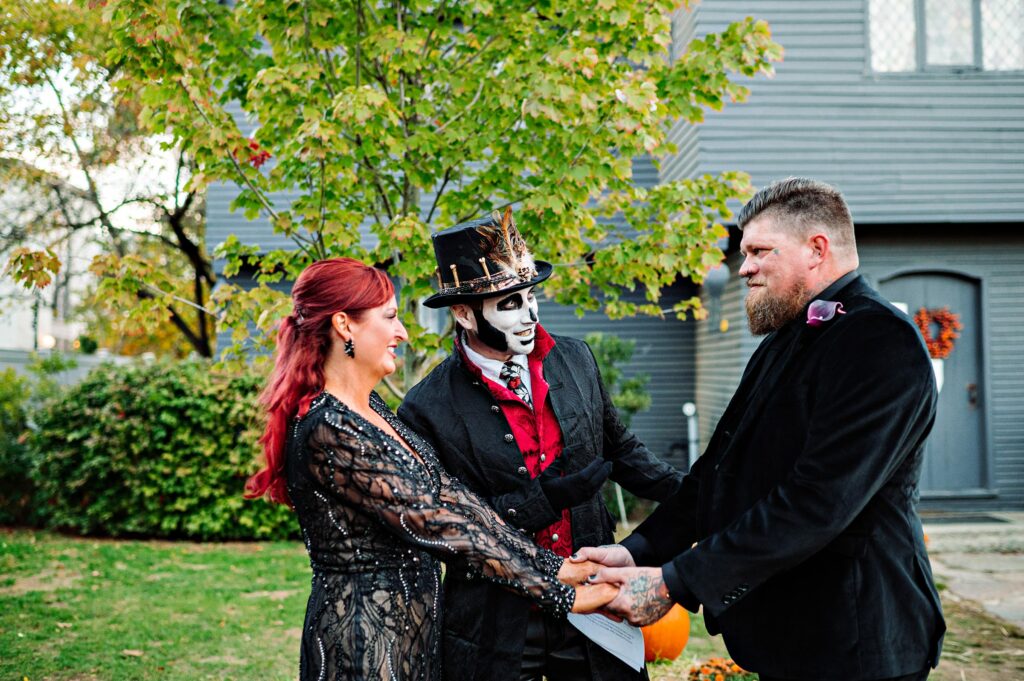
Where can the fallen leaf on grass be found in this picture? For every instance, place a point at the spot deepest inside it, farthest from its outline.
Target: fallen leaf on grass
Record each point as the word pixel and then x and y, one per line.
pixel 63 625
pixel 132 653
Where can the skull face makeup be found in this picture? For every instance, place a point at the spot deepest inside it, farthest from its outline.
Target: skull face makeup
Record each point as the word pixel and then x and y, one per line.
pixel 506 324
pixel 509 323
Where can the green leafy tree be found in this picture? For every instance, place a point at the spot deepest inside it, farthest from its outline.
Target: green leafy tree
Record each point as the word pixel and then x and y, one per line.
pixel 405 117
pixel 89 191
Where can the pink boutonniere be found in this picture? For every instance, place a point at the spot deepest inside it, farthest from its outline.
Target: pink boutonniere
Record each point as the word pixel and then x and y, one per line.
pixel 821 311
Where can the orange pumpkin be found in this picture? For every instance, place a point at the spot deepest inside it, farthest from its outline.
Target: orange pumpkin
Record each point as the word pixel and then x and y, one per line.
pixel 666 638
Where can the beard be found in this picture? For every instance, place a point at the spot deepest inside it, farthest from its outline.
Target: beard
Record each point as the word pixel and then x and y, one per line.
pixel 768 311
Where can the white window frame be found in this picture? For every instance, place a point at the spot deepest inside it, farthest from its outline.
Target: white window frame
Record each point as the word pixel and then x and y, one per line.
pixel 921 47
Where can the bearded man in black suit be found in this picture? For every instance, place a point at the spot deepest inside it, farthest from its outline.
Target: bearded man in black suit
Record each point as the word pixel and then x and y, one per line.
pixel 797 530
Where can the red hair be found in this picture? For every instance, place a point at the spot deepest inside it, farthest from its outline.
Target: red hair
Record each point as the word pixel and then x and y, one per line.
pixel 303 342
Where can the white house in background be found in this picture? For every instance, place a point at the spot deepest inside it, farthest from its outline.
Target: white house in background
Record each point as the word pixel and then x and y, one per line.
pixel 44 319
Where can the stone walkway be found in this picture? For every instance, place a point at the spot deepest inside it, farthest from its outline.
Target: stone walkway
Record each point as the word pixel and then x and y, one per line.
pixel 981 561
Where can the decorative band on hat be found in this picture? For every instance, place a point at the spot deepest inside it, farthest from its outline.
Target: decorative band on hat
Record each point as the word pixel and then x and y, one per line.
pixel 484 284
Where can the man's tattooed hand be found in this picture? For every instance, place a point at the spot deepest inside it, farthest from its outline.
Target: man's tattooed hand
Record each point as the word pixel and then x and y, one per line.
pixel 643 597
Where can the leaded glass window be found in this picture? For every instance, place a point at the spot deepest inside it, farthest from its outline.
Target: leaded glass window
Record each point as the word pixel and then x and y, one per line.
pixel 925 35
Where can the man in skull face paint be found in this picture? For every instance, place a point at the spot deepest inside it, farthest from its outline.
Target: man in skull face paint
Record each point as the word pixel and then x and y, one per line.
pixel 522 418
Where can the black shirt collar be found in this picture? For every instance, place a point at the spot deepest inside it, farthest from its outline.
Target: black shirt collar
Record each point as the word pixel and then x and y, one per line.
pixel 835 287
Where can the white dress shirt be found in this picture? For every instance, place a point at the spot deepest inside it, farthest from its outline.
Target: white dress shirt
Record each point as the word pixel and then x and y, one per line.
pixel 491 368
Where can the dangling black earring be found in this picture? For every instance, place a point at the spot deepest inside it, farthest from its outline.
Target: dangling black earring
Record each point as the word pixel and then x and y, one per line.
pixel 350 348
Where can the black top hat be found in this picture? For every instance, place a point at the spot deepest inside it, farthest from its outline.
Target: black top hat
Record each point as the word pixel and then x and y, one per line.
pixel 481 259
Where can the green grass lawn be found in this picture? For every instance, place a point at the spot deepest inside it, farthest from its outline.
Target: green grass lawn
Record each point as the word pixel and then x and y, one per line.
pixel 81 609
pixel 100 609
pixel 75 609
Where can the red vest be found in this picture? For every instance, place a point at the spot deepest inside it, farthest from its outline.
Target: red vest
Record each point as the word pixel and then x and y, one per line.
pixel 537 432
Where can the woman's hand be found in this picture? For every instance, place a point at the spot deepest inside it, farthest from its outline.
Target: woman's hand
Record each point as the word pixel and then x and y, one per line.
pixel 608 555
pixel 593 597
pixel 577 573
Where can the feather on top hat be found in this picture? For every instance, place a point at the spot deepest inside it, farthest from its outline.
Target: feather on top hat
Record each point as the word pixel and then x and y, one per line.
pixel 483 258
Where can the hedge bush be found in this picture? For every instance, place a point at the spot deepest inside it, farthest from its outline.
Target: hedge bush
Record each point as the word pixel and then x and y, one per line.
pixel 19 397
pixel 158 450
pixel 16 488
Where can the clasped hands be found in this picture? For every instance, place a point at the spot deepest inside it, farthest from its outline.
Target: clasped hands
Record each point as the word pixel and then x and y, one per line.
pixel 608 581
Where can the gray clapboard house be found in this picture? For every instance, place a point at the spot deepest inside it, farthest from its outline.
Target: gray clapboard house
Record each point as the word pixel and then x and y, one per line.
pixel 916 112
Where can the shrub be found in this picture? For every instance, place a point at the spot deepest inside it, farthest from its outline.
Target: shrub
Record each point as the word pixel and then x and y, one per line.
pixel 160 450
pixel 20 396
pixel 629 395
pixel 15 462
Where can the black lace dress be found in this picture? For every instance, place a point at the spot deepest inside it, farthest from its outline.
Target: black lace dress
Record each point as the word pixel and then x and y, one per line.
pixel 377 521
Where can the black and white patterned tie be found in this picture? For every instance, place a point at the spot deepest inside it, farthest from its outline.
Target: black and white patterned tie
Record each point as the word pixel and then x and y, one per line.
pixel 510 373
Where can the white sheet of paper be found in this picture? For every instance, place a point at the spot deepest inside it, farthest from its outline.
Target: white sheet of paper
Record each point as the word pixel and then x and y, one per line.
pixel 621 639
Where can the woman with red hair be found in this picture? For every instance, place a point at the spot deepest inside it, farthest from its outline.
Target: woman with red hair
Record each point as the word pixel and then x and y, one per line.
pixel 378 512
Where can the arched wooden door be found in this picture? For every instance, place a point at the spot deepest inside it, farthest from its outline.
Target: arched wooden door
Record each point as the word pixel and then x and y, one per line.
pixel 955 462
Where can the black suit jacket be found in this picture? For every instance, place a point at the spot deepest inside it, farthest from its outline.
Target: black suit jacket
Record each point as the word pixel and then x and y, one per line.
pixel 484 625
pixel 810 557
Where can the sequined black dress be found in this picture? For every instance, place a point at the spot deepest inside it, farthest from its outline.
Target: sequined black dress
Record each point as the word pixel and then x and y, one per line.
pixel 377 521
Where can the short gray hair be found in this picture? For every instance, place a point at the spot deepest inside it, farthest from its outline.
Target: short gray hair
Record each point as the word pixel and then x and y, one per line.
pixel 803 205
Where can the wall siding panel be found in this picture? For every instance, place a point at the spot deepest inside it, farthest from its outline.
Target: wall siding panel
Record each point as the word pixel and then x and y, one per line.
pixel 721 356
pixel 936 147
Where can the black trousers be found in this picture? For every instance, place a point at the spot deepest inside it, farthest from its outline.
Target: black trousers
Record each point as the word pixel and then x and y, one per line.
pixel 919 676
pixel 554 649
